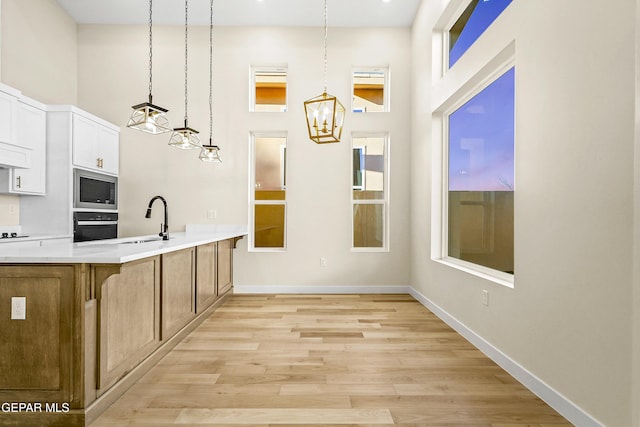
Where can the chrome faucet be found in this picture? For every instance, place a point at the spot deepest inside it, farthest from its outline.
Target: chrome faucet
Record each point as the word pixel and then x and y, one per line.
pixel 164 228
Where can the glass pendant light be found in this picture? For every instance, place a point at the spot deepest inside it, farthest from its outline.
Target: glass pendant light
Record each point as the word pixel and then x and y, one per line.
pixel 209 152
pixel 325 113
pixel 146 116
pixel 185 137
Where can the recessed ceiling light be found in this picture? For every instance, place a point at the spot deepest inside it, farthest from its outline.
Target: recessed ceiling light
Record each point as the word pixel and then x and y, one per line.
pixel 386 1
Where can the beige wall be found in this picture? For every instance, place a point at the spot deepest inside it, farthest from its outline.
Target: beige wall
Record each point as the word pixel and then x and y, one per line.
pixel 38 56
pixel 568 318
pixel 113 76
pixel 39 50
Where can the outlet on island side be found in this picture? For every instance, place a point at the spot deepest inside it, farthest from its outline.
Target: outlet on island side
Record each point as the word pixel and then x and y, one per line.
pixel 18 308
pixel 323 262
pixel 485 298
pixel 212 214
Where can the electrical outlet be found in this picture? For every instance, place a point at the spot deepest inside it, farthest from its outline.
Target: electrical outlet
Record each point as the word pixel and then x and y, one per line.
pixel 212 214
pixel 323 262
pixel 18 308
pixel 485 297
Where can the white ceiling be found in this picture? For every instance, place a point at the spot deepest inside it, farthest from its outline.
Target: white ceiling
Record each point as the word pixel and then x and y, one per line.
pixel 343 13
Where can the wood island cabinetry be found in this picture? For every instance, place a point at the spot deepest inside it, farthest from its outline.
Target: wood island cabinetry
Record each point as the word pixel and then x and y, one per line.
pixel 178 288
pixel 92 329
pixel 206 284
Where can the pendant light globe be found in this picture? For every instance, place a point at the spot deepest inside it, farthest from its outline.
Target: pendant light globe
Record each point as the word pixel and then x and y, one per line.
pixel 210 153
pixel 147 117
pixel 185 137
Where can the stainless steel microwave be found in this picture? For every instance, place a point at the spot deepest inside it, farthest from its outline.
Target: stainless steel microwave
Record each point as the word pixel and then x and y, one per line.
pixel 94 190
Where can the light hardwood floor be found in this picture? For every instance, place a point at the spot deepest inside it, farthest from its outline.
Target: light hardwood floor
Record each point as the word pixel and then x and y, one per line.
pixel 332 359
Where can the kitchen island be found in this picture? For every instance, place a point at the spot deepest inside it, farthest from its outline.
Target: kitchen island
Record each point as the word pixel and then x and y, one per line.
pixel 81 322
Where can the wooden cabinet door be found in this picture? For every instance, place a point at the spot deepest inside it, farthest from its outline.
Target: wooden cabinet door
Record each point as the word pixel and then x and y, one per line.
pixel 129 318
pixel 206 289
pixel 225 266
pixel 178 289
pixel 38 361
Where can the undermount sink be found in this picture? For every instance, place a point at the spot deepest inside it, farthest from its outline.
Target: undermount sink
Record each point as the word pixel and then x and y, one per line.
pixel 144 240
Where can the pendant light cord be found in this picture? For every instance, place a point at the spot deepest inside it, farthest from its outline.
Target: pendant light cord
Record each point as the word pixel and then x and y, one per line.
pixel 150 48
pixel 211 75
pixel 325 45
pixel 186 58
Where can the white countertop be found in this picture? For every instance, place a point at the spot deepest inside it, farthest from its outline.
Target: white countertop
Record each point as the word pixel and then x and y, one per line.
pixel 117 251
pixel 32 237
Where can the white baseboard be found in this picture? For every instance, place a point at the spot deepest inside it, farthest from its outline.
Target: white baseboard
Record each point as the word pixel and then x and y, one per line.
pixel 276 289
pixel 553 398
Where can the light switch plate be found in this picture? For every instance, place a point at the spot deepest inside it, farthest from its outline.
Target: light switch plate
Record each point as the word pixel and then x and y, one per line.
pixel 18 308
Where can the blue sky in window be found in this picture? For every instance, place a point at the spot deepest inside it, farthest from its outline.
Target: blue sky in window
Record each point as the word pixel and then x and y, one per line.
pixel 483 15
pixel 481 139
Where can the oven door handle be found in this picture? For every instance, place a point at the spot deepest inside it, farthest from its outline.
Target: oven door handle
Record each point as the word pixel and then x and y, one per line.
pixel 97 222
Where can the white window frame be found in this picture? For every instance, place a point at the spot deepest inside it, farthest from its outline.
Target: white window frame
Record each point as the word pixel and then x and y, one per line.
pixel 252 85
pixel 386 107
pixel 252 186
pixel 384 202
pixel 486 75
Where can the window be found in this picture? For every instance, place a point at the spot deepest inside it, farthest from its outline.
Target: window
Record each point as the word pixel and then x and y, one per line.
pixel 268 195
pixel 481 177
pixel 476 18
pixel 269 89
pixel 370 192
pixel 370 90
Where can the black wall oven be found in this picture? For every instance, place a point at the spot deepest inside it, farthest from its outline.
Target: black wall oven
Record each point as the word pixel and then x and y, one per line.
pixel 94 226
pixel 94 190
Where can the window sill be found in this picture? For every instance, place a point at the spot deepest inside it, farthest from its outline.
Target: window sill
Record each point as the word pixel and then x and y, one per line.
pixel 495 276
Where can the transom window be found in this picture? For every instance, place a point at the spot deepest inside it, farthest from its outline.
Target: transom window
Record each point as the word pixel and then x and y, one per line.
pixel 370 90
pixel 269 89
pixel 475 19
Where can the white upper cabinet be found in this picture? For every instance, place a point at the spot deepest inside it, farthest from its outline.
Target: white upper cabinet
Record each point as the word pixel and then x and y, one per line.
pixel 32 134
pixel 11 153
pixel 95 146
pixel 8 116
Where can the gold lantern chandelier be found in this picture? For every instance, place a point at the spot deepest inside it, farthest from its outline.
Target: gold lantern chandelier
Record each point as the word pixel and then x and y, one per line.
pixel 147 117
pixel 185 137
pixel 210 152
pixel 325 113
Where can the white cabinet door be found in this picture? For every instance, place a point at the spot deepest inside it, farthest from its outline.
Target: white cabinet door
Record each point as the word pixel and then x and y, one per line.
pixel 32 134
pixel 11 154
pixel 95 146
pixel 108 149
pixel 8 109
pixel 85 142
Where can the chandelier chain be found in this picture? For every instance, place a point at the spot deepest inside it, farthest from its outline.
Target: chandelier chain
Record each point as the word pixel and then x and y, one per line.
pixel 150 47
pixel 186 58
pixel 211 74
pixel 325 45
